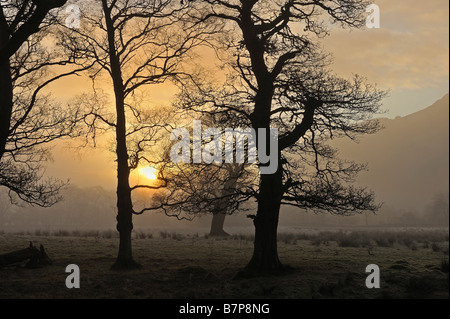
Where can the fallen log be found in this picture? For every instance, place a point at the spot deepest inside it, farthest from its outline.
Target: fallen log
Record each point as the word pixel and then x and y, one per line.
pixel 36 257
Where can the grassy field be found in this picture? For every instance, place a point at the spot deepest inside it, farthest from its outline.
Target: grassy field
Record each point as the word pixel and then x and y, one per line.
pixel 324 265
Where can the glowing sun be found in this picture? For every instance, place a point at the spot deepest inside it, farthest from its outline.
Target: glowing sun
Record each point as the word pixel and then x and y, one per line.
pixel 149 172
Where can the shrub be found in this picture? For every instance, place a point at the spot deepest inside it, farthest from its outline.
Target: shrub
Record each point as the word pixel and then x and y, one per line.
pixel 384 242
pixel 176 236
pixel 352 240
pixel 435 247
pixel 287 238
pixel 316 242
pixel 91 233
pixel 76 233
pixel 109 234
pixel 164 234
pixel 62 233
pixel 243 237
pixel 444 265
pixel 140 234
pixel 347 241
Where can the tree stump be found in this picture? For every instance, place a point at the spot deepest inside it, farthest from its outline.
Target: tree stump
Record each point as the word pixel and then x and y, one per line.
pixel 36 257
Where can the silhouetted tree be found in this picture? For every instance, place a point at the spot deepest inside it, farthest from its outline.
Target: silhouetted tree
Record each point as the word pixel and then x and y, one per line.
pixel 437 212
pixel 28 118
pixel 136 43
pixel 207 187
pixel 202 189
pixel 19 19
pixel 280 79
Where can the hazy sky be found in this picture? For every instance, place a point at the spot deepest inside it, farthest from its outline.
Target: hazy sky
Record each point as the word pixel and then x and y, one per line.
pixel 408 54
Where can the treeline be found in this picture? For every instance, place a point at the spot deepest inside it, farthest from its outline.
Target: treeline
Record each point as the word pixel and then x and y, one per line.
pixel 435 214
pixel 93 208
pixel 81 208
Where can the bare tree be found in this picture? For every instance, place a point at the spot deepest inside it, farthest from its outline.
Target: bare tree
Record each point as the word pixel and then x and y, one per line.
pixel 280 78
pixel 19 19
pixel 135 43
pixel 204 188
pixel 29 119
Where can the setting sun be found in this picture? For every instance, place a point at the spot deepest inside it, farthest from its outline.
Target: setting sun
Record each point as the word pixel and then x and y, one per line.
pixel 149 172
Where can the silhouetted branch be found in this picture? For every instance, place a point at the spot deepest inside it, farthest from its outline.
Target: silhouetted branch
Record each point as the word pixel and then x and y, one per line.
pixel 24 23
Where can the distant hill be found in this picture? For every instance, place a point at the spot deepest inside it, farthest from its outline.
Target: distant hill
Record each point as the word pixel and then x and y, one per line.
pixel 408 169
pixel 409 159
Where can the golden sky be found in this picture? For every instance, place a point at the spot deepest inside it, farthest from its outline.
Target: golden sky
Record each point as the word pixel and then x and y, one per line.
pixel 409 54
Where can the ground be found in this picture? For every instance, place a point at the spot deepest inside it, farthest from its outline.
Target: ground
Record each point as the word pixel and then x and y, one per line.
pixel 192 266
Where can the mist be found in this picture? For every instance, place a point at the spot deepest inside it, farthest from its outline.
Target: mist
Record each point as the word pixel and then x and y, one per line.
pixel 410 179
pixel 101 197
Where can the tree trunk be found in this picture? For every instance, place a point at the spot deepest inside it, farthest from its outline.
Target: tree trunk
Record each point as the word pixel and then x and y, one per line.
pixel 265 253
pixel 124 218
pixel 218 219
pixel 6 93
pixel 6 105
pixel 217 223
